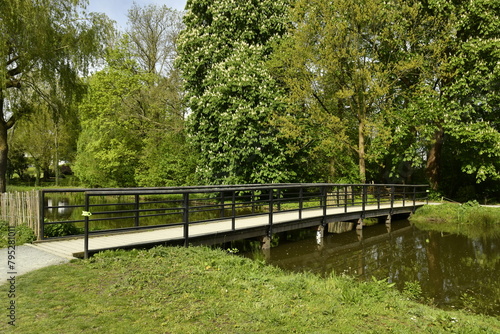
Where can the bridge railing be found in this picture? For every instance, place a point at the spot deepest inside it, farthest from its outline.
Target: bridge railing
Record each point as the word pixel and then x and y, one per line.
pixel 92 211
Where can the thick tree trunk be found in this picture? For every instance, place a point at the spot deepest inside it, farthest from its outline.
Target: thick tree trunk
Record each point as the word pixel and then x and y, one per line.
pixel 4 152
pixel 361 152
pixel 4 146
pixel 434 159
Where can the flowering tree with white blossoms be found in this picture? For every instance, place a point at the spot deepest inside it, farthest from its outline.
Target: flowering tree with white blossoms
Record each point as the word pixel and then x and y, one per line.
pixel 230 93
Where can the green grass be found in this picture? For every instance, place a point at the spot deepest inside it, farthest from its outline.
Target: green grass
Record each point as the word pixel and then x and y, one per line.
pixel 200 290
pixel 469 219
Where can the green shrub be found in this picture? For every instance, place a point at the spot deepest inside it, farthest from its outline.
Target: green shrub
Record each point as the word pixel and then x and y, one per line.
pixel 23 235
pixel 61 230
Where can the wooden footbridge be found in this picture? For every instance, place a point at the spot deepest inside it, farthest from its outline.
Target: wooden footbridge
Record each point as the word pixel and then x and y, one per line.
pixel 94 220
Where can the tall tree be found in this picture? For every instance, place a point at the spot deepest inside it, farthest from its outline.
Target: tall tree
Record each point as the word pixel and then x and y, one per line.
pixel 473 94
pixel 340 64
pixel 153 31
pixel 231 95
pixel 449 104
pixel 111 134
pixel 45 140
pixel 44 45
pixel 133 117
pixel 166 158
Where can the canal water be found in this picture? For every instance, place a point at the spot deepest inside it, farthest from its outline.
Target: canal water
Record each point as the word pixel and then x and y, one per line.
pixel 446 270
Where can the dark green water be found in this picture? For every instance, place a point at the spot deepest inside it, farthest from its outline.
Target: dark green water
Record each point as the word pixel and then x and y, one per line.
pixel 450 271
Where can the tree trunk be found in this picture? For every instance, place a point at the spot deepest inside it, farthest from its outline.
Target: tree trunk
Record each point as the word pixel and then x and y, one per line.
pixel 4 153
pixel 361 152
pixel 434 159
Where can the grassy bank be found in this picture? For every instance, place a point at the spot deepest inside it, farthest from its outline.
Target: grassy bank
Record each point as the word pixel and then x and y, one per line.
pixel 469 219
pixel 199 290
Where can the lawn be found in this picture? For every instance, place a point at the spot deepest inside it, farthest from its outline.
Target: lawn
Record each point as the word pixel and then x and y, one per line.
pixel 202 290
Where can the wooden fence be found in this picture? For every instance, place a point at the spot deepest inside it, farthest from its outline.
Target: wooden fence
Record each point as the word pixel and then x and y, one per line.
pixel 21 207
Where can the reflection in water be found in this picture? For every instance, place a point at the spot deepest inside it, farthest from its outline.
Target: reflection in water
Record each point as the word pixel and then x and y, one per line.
pixel 452 270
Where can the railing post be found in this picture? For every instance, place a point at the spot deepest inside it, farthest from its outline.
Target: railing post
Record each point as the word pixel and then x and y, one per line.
pixel 404 195
pixel 233 211
pixel 279 200
pixel 324 195
pixel 186 218
pixel 364 197
pixel 222 213
pixel 41 216
pixel 86 229
pixel 353 197
pixel 252 199
pixel 301 201
pixel 414 195
pixel 136 210
pixel 378 194
pixel 271 209
pixel 345 198
pixel 392 197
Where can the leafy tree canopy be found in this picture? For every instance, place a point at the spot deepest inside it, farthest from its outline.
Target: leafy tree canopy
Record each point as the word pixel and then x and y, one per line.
pixel 45 46
pixel 229 91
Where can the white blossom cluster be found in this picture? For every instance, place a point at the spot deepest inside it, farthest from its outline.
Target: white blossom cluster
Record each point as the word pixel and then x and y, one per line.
pixel 222 55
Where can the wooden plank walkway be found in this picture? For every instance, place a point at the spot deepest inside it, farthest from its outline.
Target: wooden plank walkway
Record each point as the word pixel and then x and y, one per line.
pixel 70 248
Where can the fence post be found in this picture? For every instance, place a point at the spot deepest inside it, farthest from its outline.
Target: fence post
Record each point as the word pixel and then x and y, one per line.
pixel 186 219
pixel 271 209
pixel 222 208
pixel 404 195
pixel 233 211
pixel 86 237
pixel 378 194
pixel 41 215
pixel 325 195
pixel 392 197
pixel 364 198
pixel 345 198
pixel 301 201
pixel 137 210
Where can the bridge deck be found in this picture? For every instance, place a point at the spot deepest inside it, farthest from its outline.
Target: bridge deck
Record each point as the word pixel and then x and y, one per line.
pixel 75 247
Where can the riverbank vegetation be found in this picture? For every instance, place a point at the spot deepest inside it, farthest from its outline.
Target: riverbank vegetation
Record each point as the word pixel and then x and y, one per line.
pixel 201 290
pixel 469 219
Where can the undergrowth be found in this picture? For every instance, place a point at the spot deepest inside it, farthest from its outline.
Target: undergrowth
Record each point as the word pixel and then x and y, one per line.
pixel 23 234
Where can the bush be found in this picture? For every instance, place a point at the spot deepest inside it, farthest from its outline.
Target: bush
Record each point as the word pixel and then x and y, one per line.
pixel 60 230
pixel 24 234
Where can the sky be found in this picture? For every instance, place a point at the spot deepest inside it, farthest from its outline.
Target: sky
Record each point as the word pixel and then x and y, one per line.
pixel 118 9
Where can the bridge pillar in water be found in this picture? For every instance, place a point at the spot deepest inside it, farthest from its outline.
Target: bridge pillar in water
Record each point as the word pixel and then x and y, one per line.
pixel 359 225
pixel 320 232
pixel 388 221
pixel 265 242
pixel 265 246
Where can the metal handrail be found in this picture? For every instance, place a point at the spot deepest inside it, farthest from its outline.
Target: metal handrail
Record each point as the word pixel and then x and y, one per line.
pixel 227 200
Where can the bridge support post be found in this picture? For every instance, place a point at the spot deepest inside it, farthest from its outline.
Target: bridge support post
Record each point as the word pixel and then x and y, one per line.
pixel 320 232
pixel 265 242
pixel 388 221
pixel 359 225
